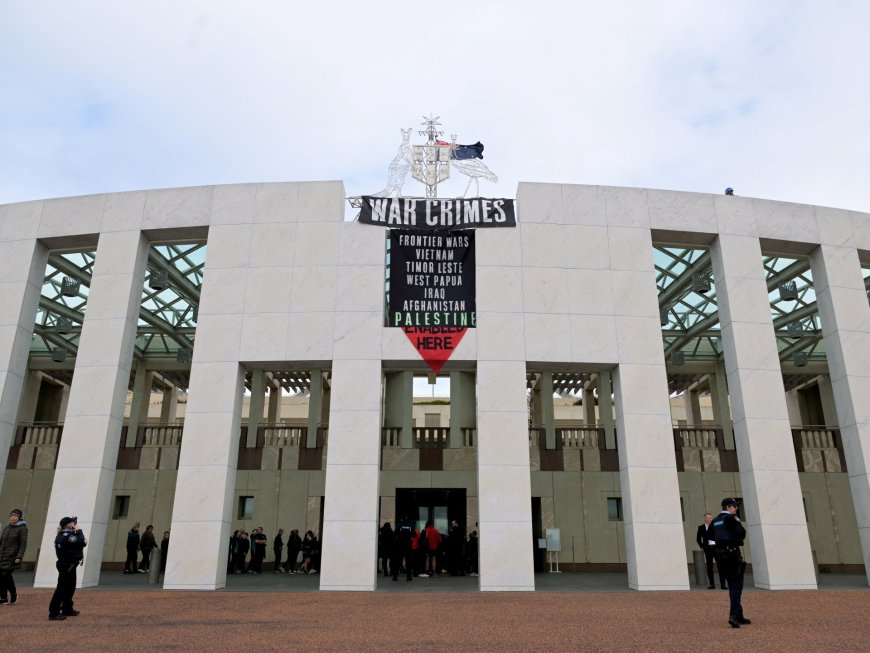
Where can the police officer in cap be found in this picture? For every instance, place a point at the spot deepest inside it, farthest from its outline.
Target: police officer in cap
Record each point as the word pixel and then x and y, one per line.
pixel 68 546
pixel 727 536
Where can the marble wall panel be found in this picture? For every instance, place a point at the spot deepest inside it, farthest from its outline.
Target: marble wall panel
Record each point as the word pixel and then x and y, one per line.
pixel 503 337
pixel 583 205
pixel 72 216
pixel 20 221
pixel 272 244
pixel 313 289
pixel 268 290
pixel 178 207
pixel 362 245
pixel 735 215
pixel 540 203
pixel 317 244
pixel 589 292
pixel 676 211
pixel 544 290
pixel 543 245
pixel 396 459
pixel 233 204
pixel 547 337
pixel 277 202
pixel 206 571
pixel 634 293
pixel 592 339
pixel 360 288
pixel 786 221
pixel 630 249
pixel 123 211
pixel 359 432
pixel 310 336
pixel 358 335
pixel 587 247
pixel 499 290
pixel 626 207
pixel 229 246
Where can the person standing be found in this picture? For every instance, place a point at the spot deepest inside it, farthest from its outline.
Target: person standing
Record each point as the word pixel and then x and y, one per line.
pixel 13 543
pixel 68 546
pixel 147 543
pixel 294 546
pixel 385 546
pixel 472 553
pixel 728 534
pixel 164 551
pixel 433 537
pixel 278 548
pixel 241 552
pixel 403 549
pixel 455 550
pixel 132 549
pixel 708 546
pixel 258 550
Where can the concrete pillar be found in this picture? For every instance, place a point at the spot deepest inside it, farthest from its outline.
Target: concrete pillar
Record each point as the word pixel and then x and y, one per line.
pixel 29 397
pixel 169 406
pixel 793 407
pixel 315 407
pixel 547 417
pixel 693 408
pixel 255 406
pixel 605 409
pixel 274 404
pixel 776 524
pixel 85 469
pixel 829 403
pixel 503 477
pixel 22 269
pixel 399 405
pixel 463 412
pixel 142 383
pixel 64 404
pixel 589 408
pixel 350 516
pixel 845 316
pixel 721 407
pixel 205 489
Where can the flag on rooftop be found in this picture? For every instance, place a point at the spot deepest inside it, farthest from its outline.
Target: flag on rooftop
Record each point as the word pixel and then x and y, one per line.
pixel 465 151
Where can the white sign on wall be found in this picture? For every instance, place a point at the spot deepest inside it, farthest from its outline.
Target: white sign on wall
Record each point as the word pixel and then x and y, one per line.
pixel 554 539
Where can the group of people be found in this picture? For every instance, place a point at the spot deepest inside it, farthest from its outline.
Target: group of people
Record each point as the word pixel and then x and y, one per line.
pixel 254 543
pixel 145 543
pixel 720 538
pixel 426 552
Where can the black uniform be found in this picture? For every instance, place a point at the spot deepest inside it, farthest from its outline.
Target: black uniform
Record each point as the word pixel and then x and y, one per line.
pixel 728 533
pixel 68 546
pixel 402 549
pixel 132 551
pixel 703 537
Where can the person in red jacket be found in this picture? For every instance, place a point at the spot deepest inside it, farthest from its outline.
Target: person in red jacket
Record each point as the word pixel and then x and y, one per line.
pixel 434 538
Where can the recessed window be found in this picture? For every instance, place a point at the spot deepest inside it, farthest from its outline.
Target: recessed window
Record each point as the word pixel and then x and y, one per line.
pixel 682 509
pixel 246 507
pixel 614 508
pixel 122 507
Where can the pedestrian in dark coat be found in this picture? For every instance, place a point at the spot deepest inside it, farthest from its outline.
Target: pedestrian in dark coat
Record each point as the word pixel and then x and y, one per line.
pixel 132 549
pixel 294 546
pixel 385 546
pixel 242 546
pixel 278 548
pixel 13 543
pixel 147 544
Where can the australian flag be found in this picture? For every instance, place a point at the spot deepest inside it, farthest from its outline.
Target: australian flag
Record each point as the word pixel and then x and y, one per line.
pixel 466 151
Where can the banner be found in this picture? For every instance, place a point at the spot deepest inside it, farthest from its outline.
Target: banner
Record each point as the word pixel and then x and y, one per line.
pixel 432 279
pixel 435 344
pixel 425 214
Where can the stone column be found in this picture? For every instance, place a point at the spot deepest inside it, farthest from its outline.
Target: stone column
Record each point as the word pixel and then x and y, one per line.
pixel 22 269
pixel 605 409
pixel 315 407
pixel 274 403
pixel 693 408
pixel 463 412
pixel 776 524
pixel 169 406
pixel 845 315
pixel 589 408
pixel 829 404
pixel 503 478
pixel 30 397
pixel 85 469
pixel 141 401
pixel 399 405
pixel 255 407
pixel 721 408
pixel 202 511
pixel 647 465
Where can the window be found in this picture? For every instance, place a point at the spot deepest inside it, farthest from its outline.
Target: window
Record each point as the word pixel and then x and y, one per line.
pixel 246 507
pixel 122 507
pixel 614 508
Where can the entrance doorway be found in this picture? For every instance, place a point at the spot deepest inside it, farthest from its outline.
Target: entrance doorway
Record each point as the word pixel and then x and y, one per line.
pixel 439 506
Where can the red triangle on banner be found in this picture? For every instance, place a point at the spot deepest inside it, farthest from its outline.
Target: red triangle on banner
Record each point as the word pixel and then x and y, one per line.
pixel 435 344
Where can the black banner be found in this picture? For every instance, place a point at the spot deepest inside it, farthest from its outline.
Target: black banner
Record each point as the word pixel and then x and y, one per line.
pixel 425 214
pixel 432 282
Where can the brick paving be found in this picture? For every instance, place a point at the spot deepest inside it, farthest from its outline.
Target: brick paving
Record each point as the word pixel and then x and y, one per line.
pixel 407 619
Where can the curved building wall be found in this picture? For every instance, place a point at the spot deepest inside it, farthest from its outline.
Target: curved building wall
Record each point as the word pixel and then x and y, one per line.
pixel 288 281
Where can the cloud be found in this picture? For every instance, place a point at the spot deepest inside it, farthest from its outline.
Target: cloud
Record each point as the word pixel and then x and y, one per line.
pixel 104 96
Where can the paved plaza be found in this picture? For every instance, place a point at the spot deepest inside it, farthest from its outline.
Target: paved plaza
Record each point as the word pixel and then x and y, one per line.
pixel 568 612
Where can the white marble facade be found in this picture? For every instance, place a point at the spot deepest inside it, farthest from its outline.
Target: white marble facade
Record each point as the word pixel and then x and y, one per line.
pixel 288 281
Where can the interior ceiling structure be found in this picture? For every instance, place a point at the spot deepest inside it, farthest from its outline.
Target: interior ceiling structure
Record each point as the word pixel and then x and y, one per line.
pixel 167 312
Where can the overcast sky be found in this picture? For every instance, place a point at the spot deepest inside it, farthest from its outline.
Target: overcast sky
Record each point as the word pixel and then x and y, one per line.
pixel 771 98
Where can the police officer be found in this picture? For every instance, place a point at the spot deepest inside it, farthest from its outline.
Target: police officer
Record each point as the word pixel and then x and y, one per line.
pixel 402 549
pixel 68 546
pixel 727 537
